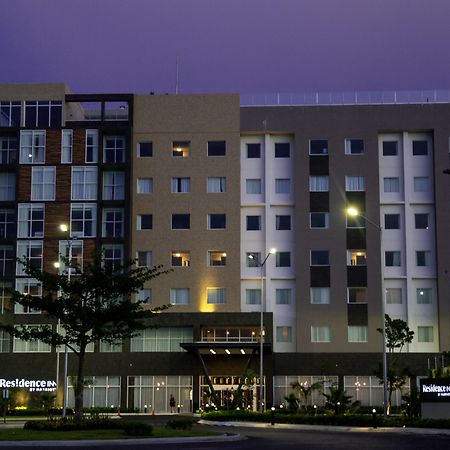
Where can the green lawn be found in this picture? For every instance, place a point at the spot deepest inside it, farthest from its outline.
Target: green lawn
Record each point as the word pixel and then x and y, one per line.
pixel 18 434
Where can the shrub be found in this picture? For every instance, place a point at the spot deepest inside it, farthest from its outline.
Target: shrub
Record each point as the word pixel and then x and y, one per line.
pixel 137 428
pixel 68 424
pixel 180 424
pixel 27 412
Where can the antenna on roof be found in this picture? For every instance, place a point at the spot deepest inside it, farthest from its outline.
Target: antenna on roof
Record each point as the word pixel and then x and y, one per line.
pixel 178 73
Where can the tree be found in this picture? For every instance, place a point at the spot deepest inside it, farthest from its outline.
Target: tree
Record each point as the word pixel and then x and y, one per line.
pixel 397 336
pixel 304 391
pixel 91 306
pixel 337 398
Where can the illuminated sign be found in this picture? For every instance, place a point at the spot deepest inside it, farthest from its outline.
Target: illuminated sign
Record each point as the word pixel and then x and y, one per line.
pixel 31 385
pixel 435 390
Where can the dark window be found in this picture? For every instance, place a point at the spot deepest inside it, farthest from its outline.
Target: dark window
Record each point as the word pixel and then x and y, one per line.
pixel 253 223
pixel 392 221
pixel 216 148
pixel 253 150
pixel 43 114
pixel 420 148
pixel 181 221
pixel 421 221
pixel 422 258
pixel 283 259
pixel 318 147
pixel 392 259
pixel 217 221
pixel 145 149
pixel 354 146
pixel 319 220
pixel 282 150
pixel 390 148
pixel 7 222
pixel 146 222
pixel 283 222
pixel 10 114
pixel 320 258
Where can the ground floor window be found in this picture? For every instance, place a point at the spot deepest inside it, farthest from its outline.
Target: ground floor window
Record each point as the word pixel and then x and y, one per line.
pixel 152 393
pixel 98 391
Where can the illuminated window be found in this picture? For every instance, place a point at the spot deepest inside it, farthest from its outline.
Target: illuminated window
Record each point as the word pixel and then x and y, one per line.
pixel 217 258
pixel 180 259
pixel 181 148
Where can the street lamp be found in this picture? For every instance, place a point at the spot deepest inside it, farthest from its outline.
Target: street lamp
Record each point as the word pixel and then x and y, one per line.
pixel 272 251
pixel 353 212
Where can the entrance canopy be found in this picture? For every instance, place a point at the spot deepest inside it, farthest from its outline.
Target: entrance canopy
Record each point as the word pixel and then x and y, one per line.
pixel 225 348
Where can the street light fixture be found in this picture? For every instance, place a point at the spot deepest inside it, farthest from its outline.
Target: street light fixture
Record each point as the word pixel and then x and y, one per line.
pixel 354 212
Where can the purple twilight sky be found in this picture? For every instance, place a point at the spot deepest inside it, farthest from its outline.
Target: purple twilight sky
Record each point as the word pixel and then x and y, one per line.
pixel 245 46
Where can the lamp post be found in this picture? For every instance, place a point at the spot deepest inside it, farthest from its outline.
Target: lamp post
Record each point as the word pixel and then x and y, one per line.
pixel 353 212
pixel 261 332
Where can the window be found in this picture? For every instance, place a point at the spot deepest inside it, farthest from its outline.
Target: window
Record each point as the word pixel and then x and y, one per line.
pixel 31 287
pixel 392 221
pixel 76 264
pixel 43 183
pixel 144 221
pixel 113 222
pixel 10 114
pixel 6 260
pixel 394 296
pixel 216 148
pixel 320 258
pixel 216 184
pixel 113 185
pixel 253 259
pixel 32 147
pixel 357 333
pixel 8 150
pixel 217 221
pixel 91 150
pixel 320 295
pixel 283 259
pixel 181 185
pixel 282 149
pixel 7 222
pixel 283 223
pixel 144 259
pixel 144 185
pixel 5 297
pixel 356 257
pixel 253 223
pixel 390 148
pixel 30 220
pixel 421 184
pixel 114 149
pixel 84 183
pixel 420 148
pixel 181 221
pixel 423 258
pixel 253 185
pixel 282 186
pixel 253 151
pixel 66 146
pixel 113 256
pixel 319 220
pixel 392 259
pixel 7 186
pixel 179 296
pixel 181 148
pixel 43 114
pixel 253 296
pixel 83 220
pixel 31 250
pixel 144 296
pixel 283 296
pixel 421 221
pixel 34 346
pixel 4 341
pixel 391 184
pixel 318 147
pixel 356 221
pixel 355 184
pixel 180 259
pixel 145 149
pixel 354 146
pixel 163 339
pixel 424 296
pixel 425 334
pixel 217 258
pixel 216 296
pixel 357 295
pixel 284 334
pixel 318 183
pixel 320 333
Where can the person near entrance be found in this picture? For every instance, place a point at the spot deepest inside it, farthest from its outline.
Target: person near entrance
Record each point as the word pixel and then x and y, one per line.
pixel 172 403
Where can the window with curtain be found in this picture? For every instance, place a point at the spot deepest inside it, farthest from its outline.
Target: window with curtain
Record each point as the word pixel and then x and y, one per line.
pixel 424 296
pixel 145 150
pixel 179 296
pixel 43 181
pixel 282 186
pixel 392 258
pixel 283 296
pixel 27 286
pixel 7 186
pixel 394 296
pixel 320 333
pixel 391 184
pixel 4 341
pixel 144 259
pixel 77 256
pixel 5 297
pixel 425 334
pixel 423 258
pixel 66 146
pixel 34 346
pixel 83 221
pixel 144 185
pixel 216 184
pixel 84 183
pixel 354 146
pixel 145 221
pixel 283 222
pixel 216 296
pixel 284 334
pixel 253 185
pixel 320 295
pixel 31 250
pixel 355 183
pixel 357 295
pixel 253 296
pixel 253 259
pixel 357 333
pixel 318 183
pixel 113 185
pixel 30 220
pixel 181 185
pixel 283 259
pixel 91 148
pixel 32 147
pixel 421 184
